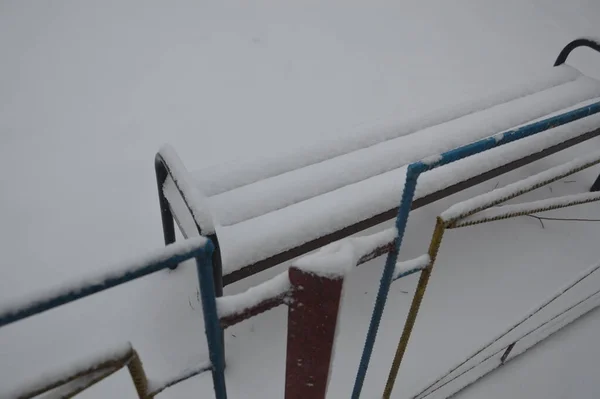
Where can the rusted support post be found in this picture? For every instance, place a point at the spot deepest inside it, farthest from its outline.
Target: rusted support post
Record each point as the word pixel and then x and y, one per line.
pixel 312 319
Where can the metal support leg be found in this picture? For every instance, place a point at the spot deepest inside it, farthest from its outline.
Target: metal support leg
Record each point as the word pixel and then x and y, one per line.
pixel 212 326
pixel 217 266
pixel 217 274
pixel 312 321
pixel 168 223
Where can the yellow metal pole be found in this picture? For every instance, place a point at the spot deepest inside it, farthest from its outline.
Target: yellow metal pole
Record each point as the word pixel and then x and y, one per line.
pixel 434 247
pixel 136 370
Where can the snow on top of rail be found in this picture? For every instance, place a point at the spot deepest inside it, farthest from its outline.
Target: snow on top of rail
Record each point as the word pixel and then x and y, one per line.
pixel 338 258
pixel 180 248
pixel 283 190
pixel 333 260
pixel 261 237
pixel 216 180
pixel 530 207
pixel 158 384
pixel 464 169
pixel 411 266
pixel 231 305
pixel 116 353
pixel 194 198
pixel 504 193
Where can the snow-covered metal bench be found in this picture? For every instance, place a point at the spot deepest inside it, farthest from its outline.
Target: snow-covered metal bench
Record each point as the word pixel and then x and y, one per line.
pixel 262 213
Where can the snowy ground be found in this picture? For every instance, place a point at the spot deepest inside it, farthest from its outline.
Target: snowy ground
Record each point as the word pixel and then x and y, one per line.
pixel 89 91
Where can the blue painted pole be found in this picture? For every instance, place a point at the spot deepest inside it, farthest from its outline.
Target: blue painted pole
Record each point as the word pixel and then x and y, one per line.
pixel 212 326
pixel 386 279
pixel 413 172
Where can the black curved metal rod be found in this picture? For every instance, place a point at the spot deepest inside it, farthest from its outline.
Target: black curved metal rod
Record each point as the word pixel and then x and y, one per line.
pixel 562 58
pixel 582 42
pixel 162 172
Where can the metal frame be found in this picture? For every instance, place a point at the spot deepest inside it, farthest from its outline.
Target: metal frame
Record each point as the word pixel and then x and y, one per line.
pixel 458 221
pixel 201 252
pixel 414 171
pixel 162 172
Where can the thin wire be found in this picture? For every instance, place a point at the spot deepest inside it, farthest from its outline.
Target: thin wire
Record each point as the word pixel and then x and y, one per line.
pixel 563 219
pixel 504 348
pixel 586 274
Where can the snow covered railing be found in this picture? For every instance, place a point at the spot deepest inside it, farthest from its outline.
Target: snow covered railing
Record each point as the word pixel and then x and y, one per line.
pixel 313 295
pixel 78 377
pixel 312 289
pixel 411 266
pixel 275 210
pixel 233 309
pixel 263 212
pixel 199 248
pixel 168 257
pixel 334 259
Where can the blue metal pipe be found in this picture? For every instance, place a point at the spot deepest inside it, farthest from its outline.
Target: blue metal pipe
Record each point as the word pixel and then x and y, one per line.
pixel 412 174
pixel 212 326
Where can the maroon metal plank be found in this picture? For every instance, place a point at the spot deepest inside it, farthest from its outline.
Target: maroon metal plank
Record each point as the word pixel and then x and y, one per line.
pixel 312 320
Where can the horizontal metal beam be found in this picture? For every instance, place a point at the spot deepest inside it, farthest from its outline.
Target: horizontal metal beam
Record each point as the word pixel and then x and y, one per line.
pixel 391 214
pixel 95 285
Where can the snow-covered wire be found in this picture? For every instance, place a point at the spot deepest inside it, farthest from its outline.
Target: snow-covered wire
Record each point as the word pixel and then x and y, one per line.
pixel 582 276
pixel 505 348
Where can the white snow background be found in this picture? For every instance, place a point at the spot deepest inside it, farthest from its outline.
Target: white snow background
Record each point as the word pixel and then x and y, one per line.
pixel 89 91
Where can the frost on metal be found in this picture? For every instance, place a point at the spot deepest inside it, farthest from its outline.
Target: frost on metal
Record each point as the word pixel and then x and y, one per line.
pixel 338 258
pixel 231 305
pixel 491 198
pixel 530 207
